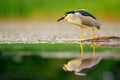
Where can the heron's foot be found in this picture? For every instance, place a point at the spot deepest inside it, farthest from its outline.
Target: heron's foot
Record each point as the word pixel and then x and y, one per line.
pixel 80 40
pixel 93 37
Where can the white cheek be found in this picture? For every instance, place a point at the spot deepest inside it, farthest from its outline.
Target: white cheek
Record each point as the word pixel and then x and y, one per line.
pixel 74 19
pixel 70 17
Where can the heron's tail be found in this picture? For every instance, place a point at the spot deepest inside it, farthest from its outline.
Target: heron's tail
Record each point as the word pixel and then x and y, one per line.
pixel 98 27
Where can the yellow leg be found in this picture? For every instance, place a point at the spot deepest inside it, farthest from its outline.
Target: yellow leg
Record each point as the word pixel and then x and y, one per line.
pixel 93 54
pixel 82 32
pixel 82 51
pixel 93 33
pixel 93 49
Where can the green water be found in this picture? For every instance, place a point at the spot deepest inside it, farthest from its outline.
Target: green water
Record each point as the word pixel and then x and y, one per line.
pixel 34 62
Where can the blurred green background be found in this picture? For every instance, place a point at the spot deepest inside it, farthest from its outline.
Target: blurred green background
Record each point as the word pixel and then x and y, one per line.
pixel 54 8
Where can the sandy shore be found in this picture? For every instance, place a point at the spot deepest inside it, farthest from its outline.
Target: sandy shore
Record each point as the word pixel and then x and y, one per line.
pixel 36 31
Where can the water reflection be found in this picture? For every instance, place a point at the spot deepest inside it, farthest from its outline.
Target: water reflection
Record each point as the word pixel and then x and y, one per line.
pixel 81 65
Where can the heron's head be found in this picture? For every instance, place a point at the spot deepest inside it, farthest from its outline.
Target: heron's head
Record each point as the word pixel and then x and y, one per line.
pixel 65 67
pixel 65 16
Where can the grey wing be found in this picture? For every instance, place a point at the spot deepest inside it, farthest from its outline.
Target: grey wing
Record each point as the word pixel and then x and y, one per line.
pixel 89 63
pixel 87 69
pixel 88 21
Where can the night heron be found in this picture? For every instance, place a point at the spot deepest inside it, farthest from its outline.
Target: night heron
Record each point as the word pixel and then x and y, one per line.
pixel 81 65
pixel 82 19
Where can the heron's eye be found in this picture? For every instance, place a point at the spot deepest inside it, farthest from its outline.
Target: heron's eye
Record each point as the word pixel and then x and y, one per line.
pixel 65 15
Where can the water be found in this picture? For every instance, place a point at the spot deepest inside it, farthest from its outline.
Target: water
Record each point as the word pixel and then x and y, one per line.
pixel 45 62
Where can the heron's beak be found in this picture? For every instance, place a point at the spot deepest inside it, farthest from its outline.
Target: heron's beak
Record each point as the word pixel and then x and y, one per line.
pixel 60 18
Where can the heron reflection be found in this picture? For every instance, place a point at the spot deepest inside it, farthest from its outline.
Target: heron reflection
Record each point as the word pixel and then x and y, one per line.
pixel 81 65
